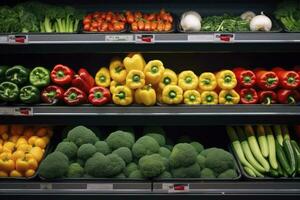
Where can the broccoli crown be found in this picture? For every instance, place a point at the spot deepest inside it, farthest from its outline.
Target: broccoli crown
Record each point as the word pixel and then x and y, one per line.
pixel 55 165
pixel 166 163
pixel 165 175
pixel 137 174
pixel 81 135
pixel 124 153
pixel 151 165
pixel 145 145
pixel 130 168
pixel 219 161
pixel 121 175
pixel 116 164
pixel 206 151
pixel 182 155
pixel 160 139
pixel 128 130
pixel 164 152
pixel 119 139
pixel 86 151
pixel 67 148
pixel 75 171
pixel 192 171
pixel 207 173
pixel 199 147
pixel 229 174
pixel 102 147
pixel 153 129
pixel 201 161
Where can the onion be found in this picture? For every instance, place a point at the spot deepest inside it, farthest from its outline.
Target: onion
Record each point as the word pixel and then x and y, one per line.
pixel 261 23
pixel 191 21
pixel 248 15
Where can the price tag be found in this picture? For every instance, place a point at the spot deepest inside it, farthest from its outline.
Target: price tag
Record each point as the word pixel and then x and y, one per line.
pixel 46 186
pixel 224 37
pixel 145 38
pixel 22 111
pixel 18 39
pixel 176 188
pixel 118 38
pixel 3 39
pixel 103 187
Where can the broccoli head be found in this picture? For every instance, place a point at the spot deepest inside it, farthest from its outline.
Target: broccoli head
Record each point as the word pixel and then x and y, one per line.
pixel 164 152
pixel 102 147
pixel 86 151
pixel 160 139
pixel 165 175
pixel 192 171
pixel 55 165
pixel 199 147
pixel 201 161
pixel 206 151
pixel 219 161
pixel 228 174
pixel 137 174
pixel 166 163
pixel 119 139
pixel 145 145
pixel 207 173
pixel 75 171
pixel 182 155
pixel 81 135
pixel 67 148
pixel 128 130
pixel 124 153
pixel 151 165
pixel 130 168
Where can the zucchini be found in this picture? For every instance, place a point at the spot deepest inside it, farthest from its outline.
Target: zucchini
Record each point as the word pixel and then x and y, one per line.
pixel 278 133
pixel 255 148
pixel 282 159
pixel 262 140
pixel 280 171
pixel 274 173
pixel 296 149
pixel 249 171
pixel 289 152
pixel 272 149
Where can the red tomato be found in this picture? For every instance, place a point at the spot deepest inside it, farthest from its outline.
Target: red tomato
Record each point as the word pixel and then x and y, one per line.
pixel 151 17
pixel 153 26
pixel 93 29
pixel 103 15
pixel 96 15
pixel 117 26
pixel 94 24
pixel 111 27
pixel 141 25
pixel 137 15
pixel 104 26
pixel 160 26
pixel 168 26
pixel 122 25
pixel 86 21
pixel 134 26
pixel 147 26
pixel 130 19
pixel 86 27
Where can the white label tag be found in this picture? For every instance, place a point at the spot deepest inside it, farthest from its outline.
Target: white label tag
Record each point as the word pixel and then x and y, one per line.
pixel 3 39
pixel 176 188
pixel 145 38
pixel 18 39
pixel 45 186
pixel 23 111
pixel 200 37
pixel 118 38
pixel 105 187
pixel 224 37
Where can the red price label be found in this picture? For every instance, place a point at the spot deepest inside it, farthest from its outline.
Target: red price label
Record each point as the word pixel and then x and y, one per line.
pixel 17 39
pixel 145 38
pixel 224 37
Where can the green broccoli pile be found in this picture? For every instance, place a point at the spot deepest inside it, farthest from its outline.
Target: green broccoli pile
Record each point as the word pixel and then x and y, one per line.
pixel 83 155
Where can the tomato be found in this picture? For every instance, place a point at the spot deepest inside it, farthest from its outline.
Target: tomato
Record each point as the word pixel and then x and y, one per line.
pixel 134 26
pixel 122 25
pixel 111 27
pixel 137 15
pixel 153 26
pixel 86 21
pixel 94 24
pixel 96 15
pixel 130 19
pixel 160 26
pixel 170 18
pixel 117 26
pixel 103 15
pixel 147 26
pixel 141 25
pixel 93 29
pixel 122 18
pixel 168 26
pixel 86 27
pixel 89 16
pixel 165 17
pixel 151 17
pixel 104 26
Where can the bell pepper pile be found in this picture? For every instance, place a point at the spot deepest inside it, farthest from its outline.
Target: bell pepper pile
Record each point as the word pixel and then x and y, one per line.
pixel 22 148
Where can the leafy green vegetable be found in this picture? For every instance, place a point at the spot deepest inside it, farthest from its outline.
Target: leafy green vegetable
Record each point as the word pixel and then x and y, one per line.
pixel 288 12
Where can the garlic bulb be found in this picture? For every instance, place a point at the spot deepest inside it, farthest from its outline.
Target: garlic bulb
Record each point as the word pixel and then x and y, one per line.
pixel 261 23
pixel 191 21
pixel 248 15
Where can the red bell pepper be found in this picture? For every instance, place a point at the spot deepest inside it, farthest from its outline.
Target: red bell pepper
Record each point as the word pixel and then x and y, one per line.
pixel 52 94
pixel 74 96
pixel 245 78
pixel 62 75
pixel 83 80
pixel 267 97
pixel 248 96
pixel 288 96
pixel 287 79
pixel 266 80
pixel 99 96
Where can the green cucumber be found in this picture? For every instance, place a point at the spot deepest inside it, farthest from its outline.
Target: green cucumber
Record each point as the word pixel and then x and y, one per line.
pixel 280 171
pixel 274 173
pixel 296 149
pixel 272 149
pixel 289 152
pixel 262 140
pixel 282 159
pixel 249 171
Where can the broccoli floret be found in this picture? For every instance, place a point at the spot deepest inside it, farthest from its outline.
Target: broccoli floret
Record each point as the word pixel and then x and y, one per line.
pixel 182 155
pixel 55 165
pixel 67 148
pixel 201 161
pixel 207 173
pixel 164 152
pixel 165 175
pixel 230 173
pixel 219 161
pixel 166 163
pixel 81 135
pixel 153 129
pixel 121 175
pixel 145 145
pixel 124 153
pixel 192 171
pixel 137 174
pixel 130 168
pixel 160 139
pixel 119 139
pixel 151 165
pixel 86 151
pixel 206 151
pixel 184 139
pixel 75 171
pixel 102 147
pixel 199 147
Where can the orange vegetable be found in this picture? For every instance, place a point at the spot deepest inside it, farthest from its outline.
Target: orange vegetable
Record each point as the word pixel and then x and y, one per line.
pixel 28 132
pixel 17 129
pixel 6 163
pixel 29 173
pixel 37 153
pixel 15 173
pixel 41 132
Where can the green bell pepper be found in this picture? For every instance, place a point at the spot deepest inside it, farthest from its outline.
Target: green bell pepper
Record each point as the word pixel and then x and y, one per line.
pixel 2 73
pixel 17 74
pixel 29 94
pixel 39 77
pixel 9 91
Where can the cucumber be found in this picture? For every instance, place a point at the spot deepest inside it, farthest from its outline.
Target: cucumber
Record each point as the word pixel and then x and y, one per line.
pixel 247 150
pixel 280 170
pixel 296 149
pixel 255 148
pixel 249 171
pixel 289 152
pixel 278 133
pixel 262 140
pixel 272 149
pixel 282 159
pixel 274 173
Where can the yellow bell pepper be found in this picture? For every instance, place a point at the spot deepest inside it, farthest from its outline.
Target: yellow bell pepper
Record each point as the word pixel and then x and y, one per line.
pixel 102 77
pixel 226 79
pixel 135 79
pixel 114 84
pixel 209 97
pixel 134 61
pixel 145 95
pixel 187 80
pixel 3 174
pixel 117 70
pixel 37 153
pixel 207 81
pixel 6 163
pixel 172 94
pixel 29 173
pixel 159 95
pixel 169 77
pixel 191 97
pixel 229 97
pixel 154 71
pixel 122 96
pixel 17 154
pixel 25 163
